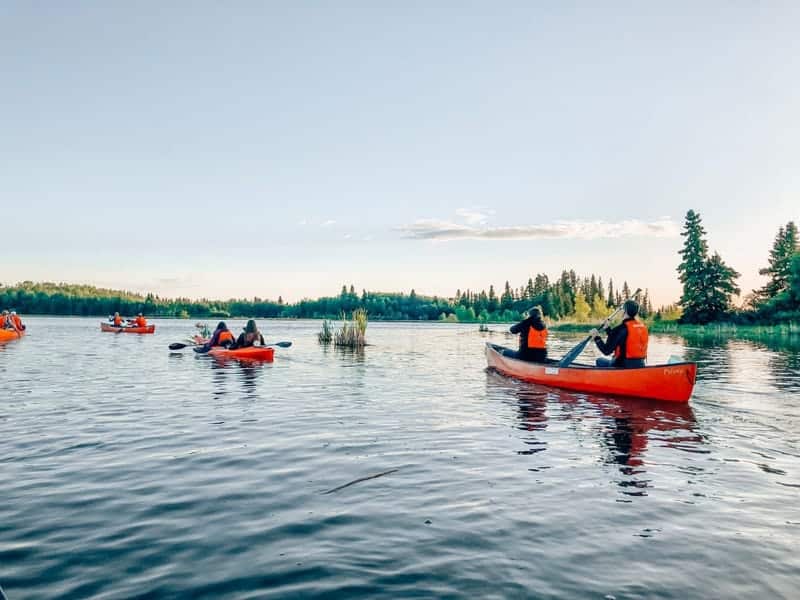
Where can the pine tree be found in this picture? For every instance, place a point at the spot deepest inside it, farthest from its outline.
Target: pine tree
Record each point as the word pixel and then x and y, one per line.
pixel 720 286
pixel 692 269
pixel 530 291
pixel 626 291
pixel 611 297
pixel 784 247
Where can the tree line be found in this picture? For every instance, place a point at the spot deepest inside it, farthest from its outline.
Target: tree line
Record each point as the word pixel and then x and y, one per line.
pixel 709 284
pixel 568 297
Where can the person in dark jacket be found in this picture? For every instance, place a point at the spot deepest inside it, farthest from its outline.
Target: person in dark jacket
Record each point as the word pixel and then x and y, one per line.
pixel 532 338
pixel 627 341
pixel 249 336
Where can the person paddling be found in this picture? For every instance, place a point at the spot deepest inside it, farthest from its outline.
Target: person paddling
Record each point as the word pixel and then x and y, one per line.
pixel 117 320
pixel 140 321
pixel 222 337
pixel 5 321
pixel 16 321
pixel 249 336
pixel 532 338
pixel 627 341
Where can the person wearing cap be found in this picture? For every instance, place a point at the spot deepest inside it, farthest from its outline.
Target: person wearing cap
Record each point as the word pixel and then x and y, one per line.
pixel 532 338
pixel 5 321
pixel 140 321
pixel 16 322
pixel 117 320
pixel 222 337
pixel 249 336
pixel 627 341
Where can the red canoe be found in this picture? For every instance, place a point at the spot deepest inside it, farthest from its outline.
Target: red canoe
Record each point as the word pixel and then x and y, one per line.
pixel 260 353
pixel 672 382
pixel 112 329
pixel 7 335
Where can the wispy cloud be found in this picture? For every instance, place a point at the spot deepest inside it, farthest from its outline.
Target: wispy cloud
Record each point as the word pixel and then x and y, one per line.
pixel 585 230
pixel 475 216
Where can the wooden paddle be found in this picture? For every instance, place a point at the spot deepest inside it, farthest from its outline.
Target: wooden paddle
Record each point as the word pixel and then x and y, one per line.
pixel 570 356
pixel 180 346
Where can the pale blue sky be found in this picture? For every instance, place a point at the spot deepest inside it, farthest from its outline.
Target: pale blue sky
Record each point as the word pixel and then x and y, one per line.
pixel 283 149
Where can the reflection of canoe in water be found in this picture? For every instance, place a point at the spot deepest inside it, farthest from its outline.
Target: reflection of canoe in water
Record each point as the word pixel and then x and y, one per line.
pixel 110 328
pixel 6 335
pixel 673 382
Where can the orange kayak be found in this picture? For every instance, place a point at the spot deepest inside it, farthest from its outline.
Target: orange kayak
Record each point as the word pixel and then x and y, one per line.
pixel 112 329
pixel 260 353
pixel 672 382
pixel 7 335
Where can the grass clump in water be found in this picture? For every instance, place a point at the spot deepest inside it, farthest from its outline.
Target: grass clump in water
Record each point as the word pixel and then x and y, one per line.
pixel 326 335
pixel 352 333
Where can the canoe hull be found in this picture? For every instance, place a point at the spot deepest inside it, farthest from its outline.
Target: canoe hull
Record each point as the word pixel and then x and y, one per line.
pixel 254 353
pixel 671 383
pixel 111 329
pixel 6 335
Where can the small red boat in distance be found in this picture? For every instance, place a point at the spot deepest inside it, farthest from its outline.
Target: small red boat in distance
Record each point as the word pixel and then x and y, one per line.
pixel 111 329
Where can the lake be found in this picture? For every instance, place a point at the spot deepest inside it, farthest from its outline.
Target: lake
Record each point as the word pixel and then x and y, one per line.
pixel 132 472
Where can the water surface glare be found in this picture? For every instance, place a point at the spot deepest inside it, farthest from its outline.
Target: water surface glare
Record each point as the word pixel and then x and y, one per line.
pixel 133 472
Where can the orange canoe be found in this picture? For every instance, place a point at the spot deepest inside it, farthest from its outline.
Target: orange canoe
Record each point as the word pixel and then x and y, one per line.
pixel 7 335
pixel 672 382
pixel 112 329
pixel 260 353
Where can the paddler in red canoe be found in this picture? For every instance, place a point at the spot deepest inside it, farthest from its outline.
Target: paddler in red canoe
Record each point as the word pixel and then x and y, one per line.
pixel 117 320
pixel 627 341
pixel 140 321
pixel 222 337
pixel 532 338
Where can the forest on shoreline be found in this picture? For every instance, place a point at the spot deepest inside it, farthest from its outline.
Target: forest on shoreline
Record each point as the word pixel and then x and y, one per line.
pixel 709 286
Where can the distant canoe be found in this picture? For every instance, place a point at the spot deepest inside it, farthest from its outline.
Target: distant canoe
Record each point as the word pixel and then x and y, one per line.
pixel 111 329
pixel 671 382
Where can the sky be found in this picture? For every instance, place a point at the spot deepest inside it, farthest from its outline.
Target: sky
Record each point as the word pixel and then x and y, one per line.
pixel 282 149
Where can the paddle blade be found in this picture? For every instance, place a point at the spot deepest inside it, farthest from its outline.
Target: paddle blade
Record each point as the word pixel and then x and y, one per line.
pixel 570 356
pixel 177 346
pixel 281 344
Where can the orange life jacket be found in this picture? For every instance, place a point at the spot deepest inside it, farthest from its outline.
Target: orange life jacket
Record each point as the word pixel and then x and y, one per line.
pixel 636 340
pixel 141 322
pixel 225 336
pixel 117 321
pixel 537 340
pixel 17 322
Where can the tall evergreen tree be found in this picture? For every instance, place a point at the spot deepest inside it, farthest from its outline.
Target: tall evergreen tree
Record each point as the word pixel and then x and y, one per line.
pixel 692 269
pixel 783 248
pixel 611 297
pixel 720 286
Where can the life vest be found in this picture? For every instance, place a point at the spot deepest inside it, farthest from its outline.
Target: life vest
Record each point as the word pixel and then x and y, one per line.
pixel 225 336
pixel 141 322
pixel 117 321
pixel 17 322
pixel 537 339
pixel 635 341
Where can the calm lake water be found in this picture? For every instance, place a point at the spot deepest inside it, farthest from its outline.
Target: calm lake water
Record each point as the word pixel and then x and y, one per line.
pixel 132 472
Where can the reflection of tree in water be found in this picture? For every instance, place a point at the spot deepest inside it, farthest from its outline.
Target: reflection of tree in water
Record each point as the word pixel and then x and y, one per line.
pixel 712 353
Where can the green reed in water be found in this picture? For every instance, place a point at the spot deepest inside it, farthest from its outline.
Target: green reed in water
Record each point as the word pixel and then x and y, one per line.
pixel 352 333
